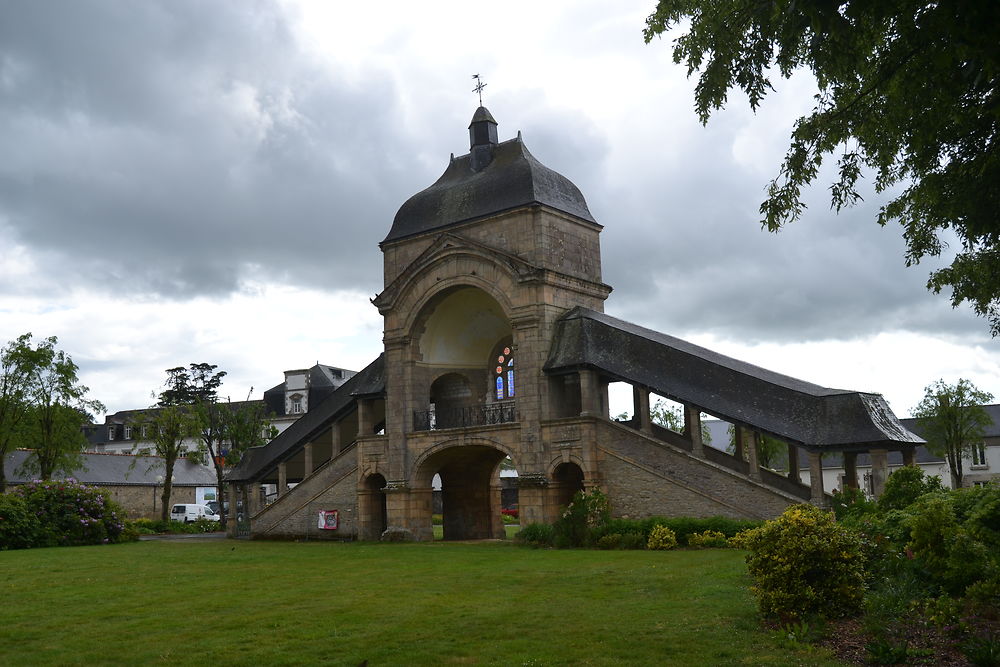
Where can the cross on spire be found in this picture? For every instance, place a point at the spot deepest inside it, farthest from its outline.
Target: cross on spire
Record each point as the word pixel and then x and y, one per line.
pixel 479 88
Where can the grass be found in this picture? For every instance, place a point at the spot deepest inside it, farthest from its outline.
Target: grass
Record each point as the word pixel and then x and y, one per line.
pixel 224 602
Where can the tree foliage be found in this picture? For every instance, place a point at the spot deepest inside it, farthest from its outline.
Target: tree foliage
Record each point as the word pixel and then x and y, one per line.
pixel 908 90
pixel 953 421
pixel 42 406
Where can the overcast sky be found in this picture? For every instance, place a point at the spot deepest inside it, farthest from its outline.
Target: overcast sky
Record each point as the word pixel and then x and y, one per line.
pixel 190 181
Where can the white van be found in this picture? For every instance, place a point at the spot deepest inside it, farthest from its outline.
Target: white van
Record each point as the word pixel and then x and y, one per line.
pixel 188 513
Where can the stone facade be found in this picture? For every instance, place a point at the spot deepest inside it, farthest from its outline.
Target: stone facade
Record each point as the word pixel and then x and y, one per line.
pixel 471 309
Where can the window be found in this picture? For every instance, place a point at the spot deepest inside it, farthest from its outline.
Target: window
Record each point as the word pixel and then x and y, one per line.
pixel 296 405
pixel 128 432
pixel 504 375
pixel 145 431
pixel 111 433
pixel 979 455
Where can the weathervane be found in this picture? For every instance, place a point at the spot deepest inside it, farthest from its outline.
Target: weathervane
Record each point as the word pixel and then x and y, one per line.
pixel 479 88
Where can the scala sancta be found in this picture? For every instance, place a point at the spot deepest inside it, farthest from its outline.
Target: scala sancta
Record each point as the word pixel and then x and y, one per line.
pixel 497 351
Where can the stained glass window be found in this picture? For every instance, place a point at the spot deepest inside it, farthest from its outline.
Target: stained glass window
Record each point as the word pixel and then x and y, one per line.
pixel 504 373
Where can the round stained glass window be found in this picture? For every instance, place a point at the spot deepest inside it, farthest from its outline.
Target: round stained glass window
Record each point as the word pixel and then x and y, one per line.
pixel 499 370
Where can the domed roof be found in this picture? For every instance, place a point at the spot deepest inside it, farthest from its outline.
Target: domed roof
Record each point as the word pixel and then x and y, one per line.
pixel 511 178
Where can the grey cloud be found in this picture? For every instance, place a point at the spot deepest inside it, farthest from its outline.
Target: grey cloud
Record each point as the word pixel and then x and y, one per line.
pixel 151 157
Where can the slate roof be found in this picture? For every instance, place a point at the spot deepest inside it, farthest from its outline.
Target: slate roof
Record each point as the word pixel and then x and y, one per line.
pixel 117 469
pixel 793 410
pixel 513 178
pixel 259 460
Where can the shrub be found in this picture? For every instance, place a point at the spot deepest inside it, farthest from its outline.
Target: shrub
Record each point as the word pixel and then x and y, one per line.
pixel 583 520
pixel 19 527
pixel 72 514
pixel 609 541
pixel 661 538
pixel 708 539
pixel 804 563
pixel 851 504
pixel 904 486
pixel 536 535
pixel 633 541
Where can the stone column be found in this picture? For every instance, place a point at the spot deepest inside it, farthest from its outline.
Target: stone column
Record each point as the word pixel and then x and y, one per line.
pixel 738 442
pixel 793 463
pixel 282 479
pixel 334 439
pixel 532 492
pixel 640 403
pixel 880 470
pixel 590 393
pixel 307 450
pixel 365 425
pixel 850 470
pixel 816 479
pixel 692 429
pixel 909 456
pixel 751 438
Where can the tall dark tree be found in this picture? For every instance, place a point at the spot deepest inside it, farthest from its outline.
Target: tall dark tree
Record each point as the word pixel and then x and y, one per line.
pixel 187 397
pixel 908 90
pixel 953 421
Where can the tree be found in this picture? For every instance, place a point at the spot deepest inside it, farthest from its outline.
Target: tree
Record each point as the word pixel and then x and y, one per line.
pixel 59 409
pixel 952 421
pixel 909 90
pixel 178 416
pixel 167 427
pixel 17 361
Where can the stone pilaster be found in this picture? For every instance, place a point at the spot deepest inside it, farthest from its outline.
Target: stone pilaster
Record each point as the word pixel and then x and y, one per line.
pixel 818 497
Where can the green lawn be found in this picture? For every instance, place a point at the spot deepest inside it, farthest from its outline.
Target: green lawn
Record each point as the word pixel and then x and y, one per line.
pixel 225 602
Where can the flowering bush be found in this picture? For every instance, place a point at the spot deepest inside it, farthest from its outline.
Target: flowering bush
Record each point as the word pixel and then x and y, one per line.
pixel 708 539
pixel 18 525
pixel 804 563
pixel 71 514
pixel 582 520
pixel 661 538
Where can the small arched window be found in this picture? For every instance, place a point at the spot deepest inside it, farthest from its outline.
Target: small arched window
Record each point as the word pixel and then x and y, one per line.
pixel 503 374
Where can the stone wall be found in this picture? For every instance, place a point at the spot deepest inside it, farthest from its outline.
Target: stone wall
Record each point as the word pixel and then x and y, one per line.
pixel 646 477
pixel 143 502
pixel 295 514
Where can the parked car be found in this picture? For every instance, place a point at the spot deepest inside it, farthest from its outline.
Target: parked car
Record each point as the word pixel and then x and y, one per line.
pixel 190 512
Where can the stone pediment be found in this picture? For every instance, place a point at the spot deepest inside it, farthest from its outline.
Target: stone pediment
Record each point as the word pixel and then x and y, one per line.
pixel 446 246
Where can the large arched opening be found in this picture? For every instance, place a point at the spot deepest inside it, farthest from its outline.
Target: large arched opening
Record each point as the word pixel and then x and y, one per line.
pixel 471 503
pixel 464 361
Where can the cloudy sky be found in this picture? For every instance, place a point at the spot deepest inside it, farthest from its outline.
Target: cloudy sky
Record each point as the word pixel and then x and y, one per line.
pixel 188 181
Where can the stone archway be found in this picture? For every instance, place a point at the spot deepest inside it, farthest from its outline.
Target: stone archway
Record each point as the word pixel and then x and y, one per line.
pixel 470 490
pixel 567 479
pixel 374 507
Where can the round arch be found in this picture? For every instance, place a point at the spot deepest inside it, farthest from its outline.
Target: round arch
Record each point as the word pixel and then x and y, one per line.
pixel 471 500
pixel 567 479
